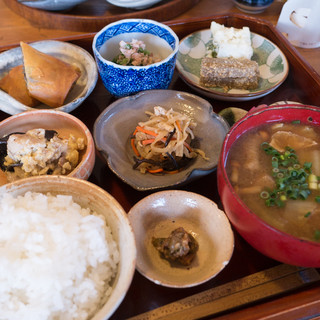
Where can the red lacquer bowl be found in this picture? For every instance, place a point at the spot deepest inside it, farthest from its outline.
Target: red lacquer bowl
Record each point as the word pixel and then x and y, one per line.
pixel 266 239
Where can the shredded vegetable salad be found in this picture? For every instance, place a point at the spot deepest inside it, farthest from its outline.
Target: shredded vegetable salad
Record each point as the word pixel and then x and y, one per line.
pixel 162 144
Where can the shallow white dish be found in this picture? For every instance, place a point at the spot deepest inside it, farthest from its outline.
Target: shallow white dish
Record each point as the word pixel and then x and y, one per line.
pixel 273 66
pixel 51 5
pixel 67 52
pixel 134 4
pixel 157 215
pixel 115 125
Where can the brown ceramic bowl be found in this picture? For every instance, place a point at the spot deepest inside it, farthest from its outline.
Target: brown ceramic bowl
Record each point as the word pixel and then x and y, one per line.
pixel 157 215
pixel 64 123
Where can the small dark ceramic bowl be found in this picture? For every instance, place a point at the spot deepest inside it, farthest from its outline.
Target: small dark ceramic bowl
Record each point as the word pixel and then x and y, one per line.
pixel 263 237
pixel 252 6
pixel 122 81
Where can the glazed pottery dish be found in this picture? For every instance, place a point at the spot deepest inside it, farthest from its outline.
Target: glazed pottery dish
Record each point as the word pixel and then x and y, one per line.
pixel 67 52
pixel 51 5
pixel 124 80
pixel 273 66
pixel 157 215
pixel 134 4
pixel 274 209
pixel 115 126
pixel 76 241
pixel 66 126
pixel 252 6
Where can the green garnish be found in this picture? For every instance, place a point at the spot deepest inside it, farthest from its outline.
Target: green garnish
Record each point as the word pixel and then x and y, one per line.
pixel 307 214
pixel 290 176
pixel 317 235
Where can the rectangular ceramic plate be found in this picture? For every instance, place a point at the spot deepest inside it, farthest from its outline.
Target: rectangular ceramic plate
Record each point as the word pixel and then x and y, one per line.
pixel 302 85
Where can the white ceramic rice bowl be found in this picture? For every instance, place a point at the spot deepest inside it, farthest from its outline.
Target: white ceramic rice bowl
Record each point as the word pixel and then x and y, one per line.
pixel 91 196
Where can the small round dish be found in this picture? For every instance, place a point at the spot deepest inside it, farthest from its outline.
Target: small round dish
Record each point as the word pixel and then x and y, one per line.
pixel 124 80
pixel 65 124
pixel 252 6
pixel 115 125
pixel 273 66
pixel 159 214
pixel 64 51
pixel 134 4
pixel 51 5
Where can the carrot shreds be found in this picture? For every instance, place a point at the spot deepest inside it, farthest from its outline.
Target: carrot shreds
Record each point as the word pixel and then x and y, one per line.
pixel 147 141
pixel 178 125
pixel 134 148
pixel 172 172
pixel 155 170
pixel 187 146
pixel 151 133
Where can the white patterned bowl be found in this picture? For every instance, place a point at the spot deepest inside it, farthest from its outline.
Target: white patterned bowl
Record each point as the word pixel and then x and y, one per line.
pixel 273 66
pixel 122 81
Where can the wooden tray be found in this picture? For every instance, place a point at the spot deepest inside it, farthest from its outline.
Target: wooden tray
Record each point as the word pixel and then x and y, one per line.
pixel 302 85
pixel 93 15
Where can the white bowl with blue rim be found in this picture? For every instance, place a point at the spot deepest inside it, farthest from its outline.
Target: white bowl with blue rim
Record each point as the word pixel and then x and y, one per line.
pixel 123 81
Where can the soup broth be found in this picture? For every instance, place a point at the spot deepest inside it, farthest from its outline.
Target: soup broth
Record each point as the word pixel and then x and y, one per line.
pixel 275 170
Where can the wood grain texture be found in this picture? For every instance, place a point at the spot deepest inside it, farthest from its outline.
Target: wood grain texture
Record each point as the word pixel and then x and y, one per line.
pixel 93 15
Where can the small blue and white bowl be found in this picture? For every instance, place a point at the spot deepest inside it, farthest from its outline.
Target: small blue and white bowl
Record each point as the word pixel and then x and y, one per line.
pixel 123 81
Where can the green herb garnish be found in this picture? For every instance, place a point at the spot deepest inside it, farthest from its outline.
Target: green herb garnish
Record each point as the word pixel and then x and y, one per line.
pixel 290 176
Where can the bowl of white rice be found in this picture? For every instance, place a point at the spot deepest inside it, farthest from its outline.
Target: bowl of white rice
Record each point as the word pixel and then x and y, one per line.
pixel 67 250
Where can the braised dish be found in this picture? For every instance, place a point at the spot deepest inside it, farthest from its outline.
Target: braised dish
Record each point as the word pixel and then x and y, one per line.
pixel 113 131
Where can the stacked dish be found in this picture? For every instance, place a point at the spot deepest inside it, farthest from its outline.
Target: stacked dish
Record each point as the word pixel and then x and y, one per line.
pixel 51 5
pixel 134 4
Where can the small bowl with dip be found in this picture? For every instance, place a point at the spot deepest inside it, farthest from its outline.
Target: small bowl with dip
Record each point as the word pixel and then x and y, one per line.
pixel 124 80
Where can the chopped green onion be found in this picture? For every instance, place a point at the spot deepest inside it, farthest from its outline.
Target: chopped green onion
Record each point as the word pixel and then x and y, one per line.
pixel 307 214
pixel 293 181
pixel 317 235
pixel 265 195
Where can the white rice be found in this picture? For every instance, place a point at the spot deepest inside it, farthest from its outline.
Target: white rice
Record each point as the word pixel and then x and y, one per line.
pixel 56 258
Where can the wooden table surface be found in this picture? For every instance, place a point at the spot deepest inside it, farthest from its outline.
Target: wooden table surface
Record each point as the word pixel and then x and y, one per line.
pixel 300 304
pixel 15 28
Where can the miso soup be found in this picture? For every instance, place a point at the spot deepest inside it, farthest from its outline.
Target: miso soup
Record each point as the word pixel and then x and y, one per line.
pixel 275 169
